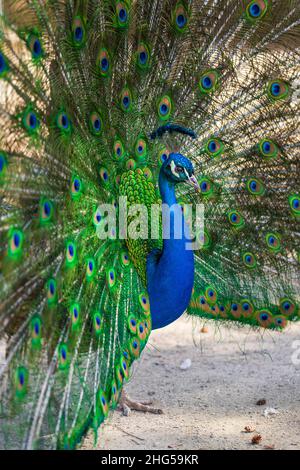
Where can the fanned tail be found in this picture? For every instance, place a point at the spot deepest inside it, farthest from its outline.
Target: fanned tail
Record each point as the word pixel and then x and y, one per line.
pixel 74 313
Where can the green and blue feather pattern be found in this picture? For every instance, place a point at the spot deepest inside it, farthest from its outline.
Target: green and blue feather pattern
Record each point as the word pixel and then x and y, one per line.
pixel 83 84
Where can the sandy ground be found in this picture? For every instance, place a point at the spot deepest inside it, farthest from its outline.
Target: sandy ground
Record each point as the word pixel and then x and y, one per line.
pixel 208 405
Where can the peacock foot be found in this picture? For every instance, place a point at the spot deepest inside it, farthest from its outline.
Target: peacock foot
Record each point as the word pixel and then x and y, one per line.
pixel 126 404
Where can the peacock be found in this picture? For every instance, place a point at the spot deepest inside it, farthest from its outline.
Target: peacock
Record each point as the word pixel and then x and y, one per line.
pixel 111 105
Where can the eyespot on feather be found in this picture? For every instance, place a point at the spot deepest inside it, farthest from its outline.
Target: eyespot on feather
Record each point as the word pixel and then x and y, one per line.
pixel 36 331
pixel 163 155
pixel 180 18
pixel 132 324
pixel 206 187
pixel 143 56
pixel 15 243
pixel 202 303
pixel 211 295
pixel 63 123
pixel 21 379
pixel 111 277
pixel 71 254
pixel 126 100
pixel 104 175
pixel 147 173
pixel 280 321
pixel 4 66
pixel 102 403
pixel 135 347
pixel 119 151
pixel 264 318
pixel 76 187
pixel 147 326
pixel 3 164
pixel 255 187
pixel 236 219
pixel 236 309
pixel 98 217
pixel 124 258
pixel 268 149
pixel 122 15
pixel 164 108
pixel 114 393
pixel 90 269
pixel 119 375
pixel 144 301
pixel 204 239
pixel 96 123
pixel 223 310
pixel 294 202
pixel 51 291
pixel 125 367
pixel 46 211
pixel 273 241
pixel 34 44
pixel 30 121
pixel 214 147
pixel 256 10
pixel 130 164
pixel 208 82
pixel 140 148
pixel 288 307
pixel 249 260
pixel 74 312
pixel 141 331
pixel 63 357
pixel 78 32
pixel 97 322
pixel 247 308
pixel 103 62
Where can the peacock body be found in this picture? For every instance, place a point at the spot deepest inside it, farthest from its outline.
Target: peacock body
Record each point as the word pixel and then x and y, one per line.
pixel 102 100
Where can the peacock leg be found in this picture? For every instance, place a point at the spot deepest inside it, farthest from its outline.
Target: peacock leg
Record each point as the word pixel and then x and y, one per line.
pixel 126 404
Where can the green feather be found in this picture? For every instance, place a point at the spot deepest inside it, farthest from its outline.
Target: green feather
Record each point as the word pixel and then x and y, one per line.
pixel 84 85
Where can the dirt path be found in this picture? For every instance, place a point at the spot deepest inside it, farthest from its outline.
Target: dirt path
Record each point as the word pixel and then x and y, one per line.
pixel 208 405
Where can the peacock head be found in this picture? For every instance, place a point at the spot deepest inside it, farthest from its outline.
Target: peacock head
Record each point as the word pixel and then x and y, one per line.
pixel 179 169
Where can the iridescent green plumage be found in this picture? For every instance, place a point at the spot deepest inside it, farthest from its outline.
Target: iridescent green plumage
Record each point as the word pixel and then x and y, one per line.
pixel 139 190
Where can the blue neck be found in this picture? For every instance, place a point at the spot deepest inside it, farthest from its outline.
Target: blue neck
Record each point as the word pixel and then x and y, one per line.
pixel 167 190
pixel 170 277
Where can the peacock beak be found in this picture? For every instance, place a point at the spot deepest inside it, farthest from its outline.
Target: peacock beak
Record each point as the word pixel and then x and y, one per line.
pixel 192 180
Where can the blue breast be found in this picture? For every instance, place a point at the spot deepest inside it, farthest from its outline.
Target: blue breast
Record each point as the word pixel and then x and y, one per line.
pixel 170 276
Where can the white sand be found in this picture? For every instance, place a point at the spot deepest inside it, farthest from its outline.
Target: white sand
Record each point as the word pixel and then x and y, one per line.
pixel 208 405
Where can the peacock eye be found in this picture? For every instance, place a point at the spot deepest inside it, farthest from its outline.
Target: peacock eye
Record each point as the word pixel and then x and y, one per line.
pixel 78 32
pixel 179 169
